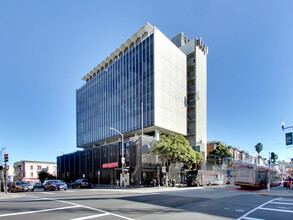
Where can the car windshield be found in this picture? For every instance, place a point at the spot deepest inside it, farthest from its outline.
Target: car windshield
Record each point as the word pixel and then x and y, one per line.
pixel 56 181
pixel 25 182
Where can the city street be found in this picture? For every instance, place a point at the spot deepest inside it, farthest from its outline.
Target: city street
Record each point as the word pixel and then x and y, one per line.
pixel 145 203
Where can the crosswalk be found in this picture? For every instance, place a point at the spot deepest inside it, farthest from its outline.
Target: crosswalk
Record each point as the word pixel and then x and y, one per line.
pixel 280 208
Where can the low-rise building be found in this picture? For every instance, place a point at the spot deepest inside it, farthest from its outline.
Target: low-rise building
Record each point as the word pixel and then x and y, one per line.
pixel 27 170
pixel 237 154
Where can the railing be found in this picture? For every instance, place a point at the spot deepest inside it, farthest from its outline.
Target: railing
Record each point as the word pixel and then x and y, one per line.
pixel 190 131
pixel 191 61
pixel 191 102
pixel 191 117
pixel 191 75
pixel 191 88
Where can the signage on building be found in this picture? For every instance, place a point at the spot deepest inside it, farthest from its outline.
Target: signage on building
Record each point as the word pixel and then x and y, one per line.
pixel 198 148
pixel 110 165
pixel 289 138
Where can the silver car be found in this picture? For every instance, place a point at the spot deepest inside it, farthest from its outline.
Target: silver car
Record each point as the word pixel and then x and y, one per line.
pixel 21 186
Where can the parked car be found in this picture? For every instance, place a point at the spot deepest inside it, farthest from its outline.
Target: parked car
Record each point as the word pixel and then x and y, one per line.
pixel 38 185
pixel 81 183
pixel 54 185
pixel 21 186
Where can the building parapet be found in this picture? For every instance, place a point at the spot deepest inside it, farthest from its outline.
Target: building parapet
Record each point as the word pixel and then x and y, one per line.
pixel 135 39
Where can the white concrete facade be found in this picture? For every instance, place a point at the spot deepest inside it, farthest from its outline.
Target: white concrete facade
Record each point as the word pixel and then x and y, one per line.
pixel 29 170
pixel 170 85
pixel 196 53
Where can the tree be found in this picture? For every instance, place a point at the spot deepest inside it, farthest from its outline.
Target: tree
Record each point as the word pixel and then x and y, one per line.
pixel 258 149
pixel 175 148
pixel 220 153
pixel 45 175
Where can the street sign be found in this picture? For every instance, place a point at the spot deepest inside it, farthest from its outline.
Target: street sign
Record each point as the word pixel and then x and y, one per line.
pixel 123 160
pixel 110 165
pixel 163 169
pixel 289 138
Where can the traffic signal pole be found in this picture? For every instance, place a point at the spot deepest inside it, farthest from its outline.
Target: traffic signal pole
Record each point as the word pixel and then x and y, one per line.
pixel 5 171
pixel 269 182
pixel 5 177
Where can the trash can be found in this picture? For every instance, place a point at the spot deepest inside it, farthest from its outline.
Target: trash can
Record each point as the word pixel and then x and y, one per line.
pixel 173 182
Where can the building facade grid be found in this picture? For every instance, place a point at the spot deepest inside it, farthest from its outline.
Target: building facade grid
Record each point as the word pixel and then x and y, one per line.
pixel 114 97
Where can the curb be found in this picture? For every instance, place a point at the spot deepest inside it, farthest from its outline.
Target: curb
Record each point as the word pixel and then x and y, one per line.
pixel 277 196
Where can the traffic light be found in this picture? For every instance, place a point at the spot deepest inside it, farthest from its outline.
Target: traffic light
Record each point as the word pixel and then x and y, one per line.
pixel 273 158
pixel 5 157
pixel 158 166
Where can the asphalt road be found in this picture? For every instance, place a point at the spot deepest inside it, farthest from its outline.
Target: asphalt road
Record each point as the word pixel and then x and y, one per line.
pixel 145 203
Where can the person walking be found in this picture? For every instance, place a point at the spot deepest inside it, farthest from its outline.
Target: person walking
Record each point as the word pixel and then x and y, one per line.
pixel 118 184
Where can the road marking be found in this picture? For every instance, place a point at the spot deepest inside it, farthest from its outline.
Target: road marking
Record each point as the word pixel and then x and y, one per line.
pixel 282 203
pixel 277 210
pixel 244 216
pixel 250 218
pixel 91 216
pixel 47 193
pixel 44 210
pixel 88 207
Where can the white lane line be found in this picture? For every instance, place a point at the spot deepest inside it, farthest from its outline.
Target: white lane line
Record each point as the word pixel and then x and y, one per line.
pixel 70 203
pixel 250 218
pixel 91 216
pixel 282 203
pixel 277 210
pixel 87 207
pixel 47 193
pixel 44 210
pixel 242 217
pixel 99 210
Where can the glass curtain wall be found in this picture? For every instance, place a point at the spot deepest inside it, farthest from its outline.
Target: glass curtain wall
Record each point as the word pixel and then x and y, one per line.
pixel 114 97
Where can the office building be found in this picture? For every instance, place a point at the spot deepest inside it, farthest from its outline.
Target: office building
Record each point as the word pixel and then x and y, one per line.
pixel 139 90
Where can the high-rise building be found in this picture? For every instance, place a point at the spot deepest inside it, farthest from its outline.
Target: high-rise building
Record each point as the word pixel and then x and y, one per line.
pixel 196 52
pixel 143 87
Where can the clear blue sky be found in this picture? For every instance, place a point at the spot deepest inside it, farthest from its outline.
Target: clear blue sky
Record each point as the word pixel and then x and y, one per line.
pixel 46 47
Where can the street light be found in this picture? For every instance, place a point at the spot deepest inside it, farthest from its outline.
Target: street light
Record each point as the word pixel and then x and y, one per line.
pixel 122 159
pixel 283 126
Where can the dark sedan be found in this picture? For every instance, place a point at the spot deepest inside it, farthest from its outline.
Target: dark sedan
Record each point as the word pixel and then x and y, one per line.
pixel 54 185
pixel 81 183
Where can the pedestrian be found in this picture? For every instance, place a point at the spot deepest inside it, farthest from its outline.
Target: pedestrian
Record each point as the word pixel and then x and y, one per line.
pixel 290 183
pixel 118 184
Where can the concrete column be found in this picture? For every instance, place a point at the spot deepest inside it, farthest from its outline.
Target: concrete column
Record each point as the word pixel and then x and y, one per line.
pixel 157 134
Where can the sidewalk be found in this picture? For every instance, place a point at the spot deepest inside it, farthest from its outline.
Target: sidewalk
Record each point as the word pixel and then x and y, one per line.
pixel 277 191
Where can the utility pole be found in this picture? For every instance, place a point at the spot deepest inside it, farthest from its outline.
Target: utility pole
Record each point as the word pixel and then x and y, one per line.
pixel 269 182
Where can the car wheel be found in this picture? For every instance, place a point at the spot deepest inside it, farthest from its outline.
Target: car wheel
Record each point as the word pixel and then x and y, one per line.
pixel 32 190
